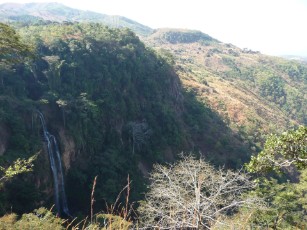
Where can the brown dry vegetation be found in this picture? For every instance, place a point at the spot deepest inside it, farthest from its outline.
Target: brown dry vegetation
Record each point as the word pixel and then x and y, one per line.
pixel 208 69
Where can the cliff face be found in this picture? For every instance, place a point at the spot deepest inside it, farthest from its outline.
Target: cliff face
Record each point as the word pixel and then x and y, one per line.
pixel 68 149
pixel 115 106
pixel 4 134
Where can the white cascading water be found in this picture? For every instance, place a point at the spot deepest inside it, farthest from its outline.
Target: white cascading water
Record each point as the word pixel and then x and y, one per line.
pixel 56 168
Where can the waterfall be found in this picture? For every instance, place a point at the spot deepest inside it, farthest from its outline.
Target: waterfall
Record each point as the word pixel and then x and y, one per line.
pixel 56 168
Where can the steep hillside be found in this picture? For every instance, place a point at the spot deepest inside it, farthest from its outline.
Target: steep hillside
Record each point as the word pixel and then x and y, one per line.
pixel 115 106
pixel 36 12
pixel 255 93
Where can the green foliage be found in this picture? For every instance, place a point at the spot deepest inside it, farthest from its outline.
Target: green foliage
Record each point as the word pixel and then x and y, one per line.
pixel 189 36
pixel 235 70
pixel 295 70
pixel 124 107
pixel 286 204
pixel 19 166
pixel 120 102
pixel 282 151
pixel 302 190
pixel 7 221
pixel 110 222
pixel 12 50
pixel 102 80
pixel 272 88
pixel 286 201
pixel 284 207
pixel 39 219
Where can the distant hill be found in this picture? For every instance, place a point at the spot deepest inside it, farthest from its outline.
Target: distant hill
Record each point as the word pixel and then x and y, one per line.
pixel 255 93
pixel 33 12
pixel 296 58
pixel 174 36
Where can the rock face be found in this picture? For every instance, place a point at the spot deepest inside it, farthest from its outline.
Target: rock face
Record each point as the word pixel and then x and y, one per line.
pixel 4 134
pixel 68 149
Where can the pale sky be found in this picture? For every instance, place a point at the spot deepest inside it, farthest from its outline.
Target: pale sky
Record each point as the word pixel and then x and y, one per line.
pixel 274 27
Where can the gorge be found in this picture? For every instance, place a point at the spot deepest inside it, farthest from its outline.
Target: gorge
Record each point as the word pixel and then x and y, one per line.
pixel 113 103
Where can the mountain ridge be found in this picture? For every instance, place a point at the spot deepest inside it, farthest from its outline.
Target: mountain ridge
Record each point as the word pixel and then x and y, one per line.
pixel 235 82
pixel 119 103
pixel 53 11
pixel 113 103
pixel 249 89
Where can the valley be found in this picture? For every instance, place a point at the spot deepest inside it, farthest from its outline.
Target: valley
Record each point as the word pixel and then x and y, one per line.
pixel 112 103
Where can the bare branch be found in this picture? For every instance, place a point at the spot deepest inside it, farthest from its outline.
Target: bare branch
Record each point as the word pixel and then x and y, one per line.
pixel 192 194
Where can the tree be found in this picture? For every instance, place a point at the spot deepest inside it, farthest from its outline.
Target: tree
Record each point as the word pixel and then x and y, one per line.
pixel 18 167
pixel 12 50
pixel 286 200
pixel 273 88
pixel 290 148
pixel 285 204
pixel 192 194
pixel 140 133
pixel 40 219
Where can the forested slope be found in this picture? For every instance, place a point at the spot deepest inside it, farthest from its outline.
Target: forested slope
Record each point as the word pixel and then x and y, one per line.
pixel 115 106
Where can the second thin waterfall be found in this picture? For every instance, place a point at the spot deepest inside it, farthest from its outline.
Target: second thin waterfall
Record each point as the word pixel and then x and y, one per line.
pixel 56 168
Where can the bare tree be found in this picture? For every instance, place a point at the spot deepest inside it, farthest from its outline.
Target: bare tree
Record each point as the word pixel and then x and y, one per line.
pixel 192 194
pixel 140 133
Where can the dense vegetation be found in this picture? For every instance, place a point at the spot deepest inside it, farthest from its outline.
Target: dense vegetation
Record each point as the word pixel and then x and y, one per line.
pixel 117 107
pixel 174 36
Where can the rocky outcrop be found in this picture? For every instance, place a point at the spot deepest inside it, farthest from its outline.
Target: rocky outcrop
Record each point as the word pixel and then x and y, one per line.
pixel 4 137
pixel 68 149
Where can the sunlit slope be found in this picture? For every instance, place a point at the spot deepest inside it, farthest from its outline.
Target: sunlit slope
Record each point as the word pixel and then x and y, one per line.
pixel 30 13
pixel 250 90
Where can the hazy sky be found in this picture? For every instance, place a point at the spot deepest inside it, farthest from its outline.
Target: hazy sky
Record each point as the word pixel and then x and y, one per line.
pixel 274 27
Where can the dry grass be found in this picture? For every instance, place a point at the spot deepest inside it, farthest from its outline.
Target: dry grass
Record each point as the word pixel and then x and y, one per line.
pixel 116 217
pixel 202 70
